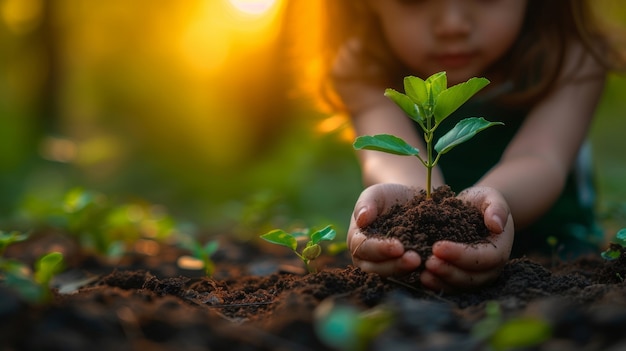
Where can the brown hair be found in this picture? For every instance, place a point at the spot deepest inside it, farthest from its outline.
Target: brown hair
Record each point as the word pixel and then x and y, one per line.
pixel 549 27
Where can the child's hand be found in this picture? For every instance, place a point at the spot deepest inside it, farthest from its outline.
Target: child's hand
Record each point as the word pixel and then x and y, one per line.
pixel 455 266
pixel 386 257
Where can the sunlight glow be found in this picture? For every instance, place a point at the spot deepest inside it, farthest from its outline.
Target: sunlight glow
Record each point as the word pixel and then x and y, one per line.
pixel 253 7
pixel 21 16
pixel 216 30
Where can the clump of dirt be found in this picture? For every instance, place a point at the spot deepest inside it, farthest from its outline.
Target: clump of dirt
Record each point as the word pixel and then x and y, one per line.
pixel 421 222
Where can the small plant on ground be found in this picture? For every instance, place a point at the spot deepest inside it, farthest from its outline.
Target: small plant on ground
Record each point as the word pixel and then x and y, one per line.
pixel 32 285
pixel 347 328
pixel 7 239
pixel 99 223
pixel 203 254
pixel 616 246
pixel 312 249
pixel 510 334
pixel 429 102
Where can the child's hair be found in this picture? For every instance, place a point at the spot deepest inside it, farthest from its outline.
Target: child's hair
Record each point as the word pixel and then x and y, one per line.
pixel 532 64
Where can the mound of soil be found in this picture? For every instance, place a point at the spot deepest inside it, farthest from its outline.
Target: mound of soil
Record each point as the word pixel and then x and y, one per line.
pixel 255 301
pixel 421 222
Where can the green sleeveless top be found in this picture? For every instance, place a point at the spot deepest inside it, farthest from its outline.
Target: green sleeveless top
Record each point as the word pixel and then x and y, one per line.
pixel 569 228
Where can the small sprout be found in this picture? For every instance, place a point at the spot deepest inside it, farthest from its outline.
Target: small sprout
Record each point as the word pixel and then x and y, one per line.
pixel 47 267
pixel 552 241
pixel 345 327
pixel 508 334
pixel 7 239
pixel 311 251
pixel 203 254
pixel 33 286
pixel 429 102
pixel 519 333
pixel 615 248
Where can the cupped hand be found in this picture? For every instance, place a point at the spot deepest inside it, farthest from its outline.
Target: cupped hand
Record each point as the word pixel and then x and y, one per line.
pixel 455 266
pixel 386 257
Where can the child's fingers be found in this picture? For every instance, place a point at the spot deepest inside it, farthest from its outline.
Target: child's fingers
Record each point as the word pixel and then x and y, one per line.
pixel 491 203
pixel 406 263
pixel 472 257
pixel 373 249
pixel 481 256
pixel 377 198
pixel 441 275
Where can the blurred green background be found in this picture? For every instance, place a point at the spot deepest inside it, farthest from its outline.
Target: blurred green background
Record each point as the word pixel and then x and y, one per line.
pixel 191 105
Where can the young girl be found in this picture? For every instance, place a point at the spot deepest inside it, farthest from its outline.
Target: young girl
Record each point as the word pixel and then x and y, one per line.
pixel 546 61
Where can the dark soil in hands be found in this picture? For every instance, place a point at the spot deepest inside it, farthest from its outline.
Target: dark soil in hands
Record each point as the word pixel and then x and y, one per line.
pixel 261 299
pixel 421 222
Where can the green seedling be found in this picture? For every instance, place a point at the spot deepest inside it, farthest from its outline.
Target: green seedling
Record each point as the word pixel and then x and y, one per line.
pixel 615 247
pixel 204 253
pixel 100 223
pixel 33 286
pixel 7 239
pixel 347 328
pixel 312 249
pixel 510 334
pixel 429 102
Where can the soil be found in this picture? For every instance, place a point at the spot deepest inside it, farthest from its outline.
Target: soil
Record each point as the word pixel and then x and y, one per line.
pixel 260 298
pixel 421 222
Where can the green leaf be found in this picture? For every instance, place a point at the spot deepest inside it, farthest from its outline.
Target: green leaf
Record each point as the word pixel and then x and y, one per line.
pixel 345 327
pixel 386 143
pixel 415 88
pixel 452 98
pixel 487 326
pixel 521 333
pixel 326 233
pixel 336 325
pixel 77 199
pixel 405 103
pixel 437 83
pixel 25 287
pixel 462 132
pixel 280 237
pixel 7 239
pixel 610 254
pixel 47 266
pixel 210 247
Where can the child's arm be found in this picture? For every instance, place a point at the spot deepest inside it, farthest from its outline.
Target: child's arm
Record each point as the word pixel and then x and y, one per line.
pixel 535 165
pixel 533 169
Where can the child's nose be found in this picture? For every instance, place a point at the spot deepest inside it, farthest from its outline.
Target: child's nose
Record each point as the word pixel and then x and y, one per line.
pixel 452 19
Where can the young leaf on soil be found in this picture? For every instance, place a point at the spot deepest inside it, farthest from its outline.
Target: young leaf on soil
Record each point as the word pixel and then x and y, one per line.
pixel 345 327
pixel 511 334
pixel 615 247
pixel 201 254
pixel 32 286
pixel 312 249
pixel 7 239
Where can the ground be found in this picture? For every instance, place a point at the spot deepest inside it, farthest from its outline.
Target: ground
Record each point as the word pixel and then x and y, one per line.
pixel 260 298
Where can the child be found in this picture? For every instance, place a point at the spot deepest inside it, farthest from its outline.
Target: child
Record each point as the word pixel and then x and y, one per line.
pixel 546 61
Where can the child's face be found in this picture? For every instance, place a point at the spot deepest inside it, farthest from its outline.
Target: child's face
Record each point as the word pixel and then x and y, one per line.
pixel 462 37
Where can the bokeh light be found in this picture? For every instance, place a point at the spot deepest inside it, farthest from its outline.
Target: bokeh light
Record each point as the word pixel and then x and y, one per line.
pixel 253 7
